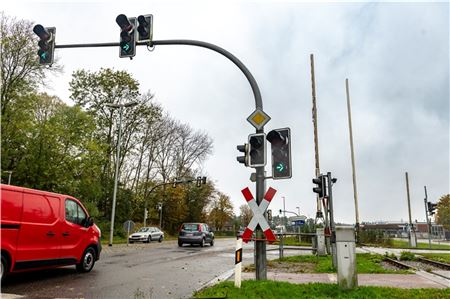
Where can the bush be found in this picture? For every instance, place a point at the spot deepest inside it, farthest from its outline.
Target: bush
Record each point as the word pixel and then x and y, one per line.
pixel 374 237
pixel 407 256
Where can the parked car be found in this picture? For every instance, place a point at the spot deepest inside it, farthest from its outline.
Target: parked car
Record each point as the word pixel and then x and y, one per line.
pixel 42 229
pixel 146 235
pixel 195 233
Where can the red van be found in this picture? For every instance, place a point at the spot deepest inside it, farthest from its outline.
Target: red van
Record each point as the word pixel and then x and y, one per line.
pixel 42 229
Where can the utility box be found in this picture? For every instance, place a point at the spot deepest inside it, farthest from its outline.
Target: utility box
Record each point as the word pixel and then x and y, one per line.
pixel 320 242
pixel 346 257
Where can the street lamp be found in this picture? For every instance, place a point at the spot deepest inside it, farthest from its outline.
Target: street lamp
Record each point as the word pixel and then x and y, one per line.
pixel 116 175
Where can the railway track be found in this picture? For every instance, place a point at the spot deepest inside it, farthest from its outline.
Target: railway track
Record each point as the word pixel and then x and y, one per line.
pixel 445 279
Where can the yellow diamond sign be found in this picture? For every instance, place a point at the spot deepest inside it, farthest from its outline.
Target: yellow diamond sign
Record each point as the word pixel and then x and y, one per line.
pixel 258 119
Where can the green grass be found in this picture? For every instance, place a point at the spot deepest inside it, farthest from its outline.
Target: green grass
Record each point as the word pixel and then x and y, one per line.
pixel 272 289
pixel 440 257
pixel 405 244
pixel 365 262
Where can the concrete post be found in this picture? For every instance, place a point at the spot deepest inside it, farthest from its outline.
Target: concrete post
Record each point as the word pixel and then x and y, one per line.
pixel 346 257
pixel 320 242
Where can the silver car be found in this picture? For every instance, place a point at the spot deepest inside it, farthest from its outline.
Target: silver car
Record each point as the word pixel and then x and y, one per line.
pixel 146 235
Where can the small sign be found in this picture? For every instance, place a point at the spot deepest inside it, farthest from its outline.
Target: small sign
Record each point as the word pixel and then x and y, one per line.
pixel 297 218
pixel 298 222
pixel 258 119
pixel 128 225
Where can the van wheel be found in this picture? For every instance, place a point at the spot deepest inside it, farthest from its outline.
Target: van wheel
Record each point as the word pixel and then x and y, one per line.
pixel 202 244
pixel 180 244
pixel 149 239
pixel 212 242
pixel 4 267
pixel 87 260
pixel 160 239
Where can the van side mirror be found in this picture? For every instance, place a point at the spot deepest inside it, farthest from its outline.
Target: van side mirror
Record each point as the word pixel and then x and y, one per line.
pixel 89 222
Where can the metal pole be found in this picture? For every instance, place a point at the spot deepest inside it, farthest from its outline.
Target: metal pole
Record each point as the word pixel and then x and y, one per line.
pixel 350 129
pixel 332 224
pixel 9 177
pixel 284 211
pixel 160 215
pixel 111 232
pixel 426 213
pixel 411 229
pixel 145 218
pixel 260 245
pixel 316 137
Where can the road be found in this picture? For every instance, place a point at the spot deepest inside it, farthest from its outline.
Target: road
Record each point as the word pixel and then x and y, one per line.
pixel 156 270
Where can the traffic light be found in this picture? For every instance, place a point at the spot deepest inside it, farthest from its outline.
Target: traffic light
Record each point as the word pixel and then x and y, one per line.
pixel 204 180
pixel 243 149
pixel 281 153
pixel 145 28
pixel 127 36
pixel 46 43
pixel 431 208
pixel 269 215
pixel 321 186
pixel 257 150
pixel 199 181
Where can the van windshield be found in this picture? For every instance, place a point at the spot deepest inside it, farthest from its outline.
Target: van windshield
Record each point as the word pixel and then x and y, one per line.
pixel 190 227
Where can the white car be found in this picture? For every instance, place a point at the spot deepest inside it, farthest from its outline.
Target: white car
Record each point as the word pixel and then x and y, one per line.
pixel 146 234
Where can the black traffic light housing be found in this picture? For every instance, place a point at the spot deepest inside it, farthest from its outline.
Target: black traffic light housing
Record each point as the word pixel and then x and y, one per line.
pixel 145 28
pixel 280 140
pixel 200 181
pixel 320 189
pixel 257 150
pixel 244 148
pixel 269 215
pixel 46 43
pixel 431 208
pixel 127 36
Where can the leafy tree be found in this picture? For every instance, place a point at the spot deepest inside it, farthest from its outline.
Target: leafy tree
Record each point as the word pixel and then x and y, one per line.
pixel 221 211
pixel 246 214
pixel 443 211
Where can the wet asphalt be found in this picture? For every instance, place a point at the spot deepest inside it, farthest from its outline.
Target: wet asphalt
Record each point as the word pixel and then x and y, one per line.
pixel 156 270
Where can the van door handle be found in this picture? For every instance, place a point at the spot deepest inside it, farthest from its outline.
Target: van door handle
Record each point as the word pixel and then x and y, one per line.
pixel 50 234
pixel 65 234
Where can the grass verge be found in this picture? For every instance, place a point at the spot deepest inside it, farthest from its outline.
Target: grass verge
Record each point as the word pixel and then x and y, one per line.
pixel 365 263
pixel 251 289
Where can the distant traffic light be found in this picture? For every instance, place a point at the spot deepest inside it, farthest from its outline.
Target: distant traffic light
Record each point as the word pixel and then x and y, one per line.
pixel 431 208
pixel 145 30
pixel 200 181
pixel 321 186
pixel 46 43
pixel 244 148
pixel 269 215
pixel 127 36
pixel 257 150
pixel 280 140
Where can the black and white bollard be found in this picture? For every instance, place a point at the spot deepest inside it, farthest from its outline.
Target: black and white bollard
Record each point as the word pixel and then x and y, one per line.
pixel 238 263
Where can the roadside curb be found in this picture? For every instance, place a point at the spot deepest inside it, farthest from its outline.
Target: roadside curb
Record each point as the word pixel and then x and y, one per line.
pixel 222 277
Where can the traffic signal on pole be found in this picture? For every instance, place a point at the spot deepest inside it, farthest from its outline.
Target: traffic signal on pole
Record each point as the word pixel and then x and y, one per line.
pixel 431 208
pixel 199 181
pixel 257 150
pixel 204 180
pixel 145 28
pixel 321 186
pixel 127 36
pixel 280 140
pixel 244 148
pixel 46 43
pixel 269 215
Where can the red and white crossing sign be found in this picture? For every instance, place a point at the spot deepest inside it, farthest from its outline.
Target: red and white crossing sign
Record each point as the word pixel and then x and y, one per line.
pixel 258 215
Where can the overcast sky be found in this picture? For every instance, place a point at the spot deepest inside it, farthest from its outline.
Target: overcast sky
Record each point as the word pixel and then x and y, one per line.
pixel 396 56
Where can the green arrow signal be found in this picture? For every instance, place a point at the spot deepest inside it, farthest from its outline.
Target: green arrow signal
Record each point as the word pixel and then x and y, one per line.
pixel 126 47
pixel 280 167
